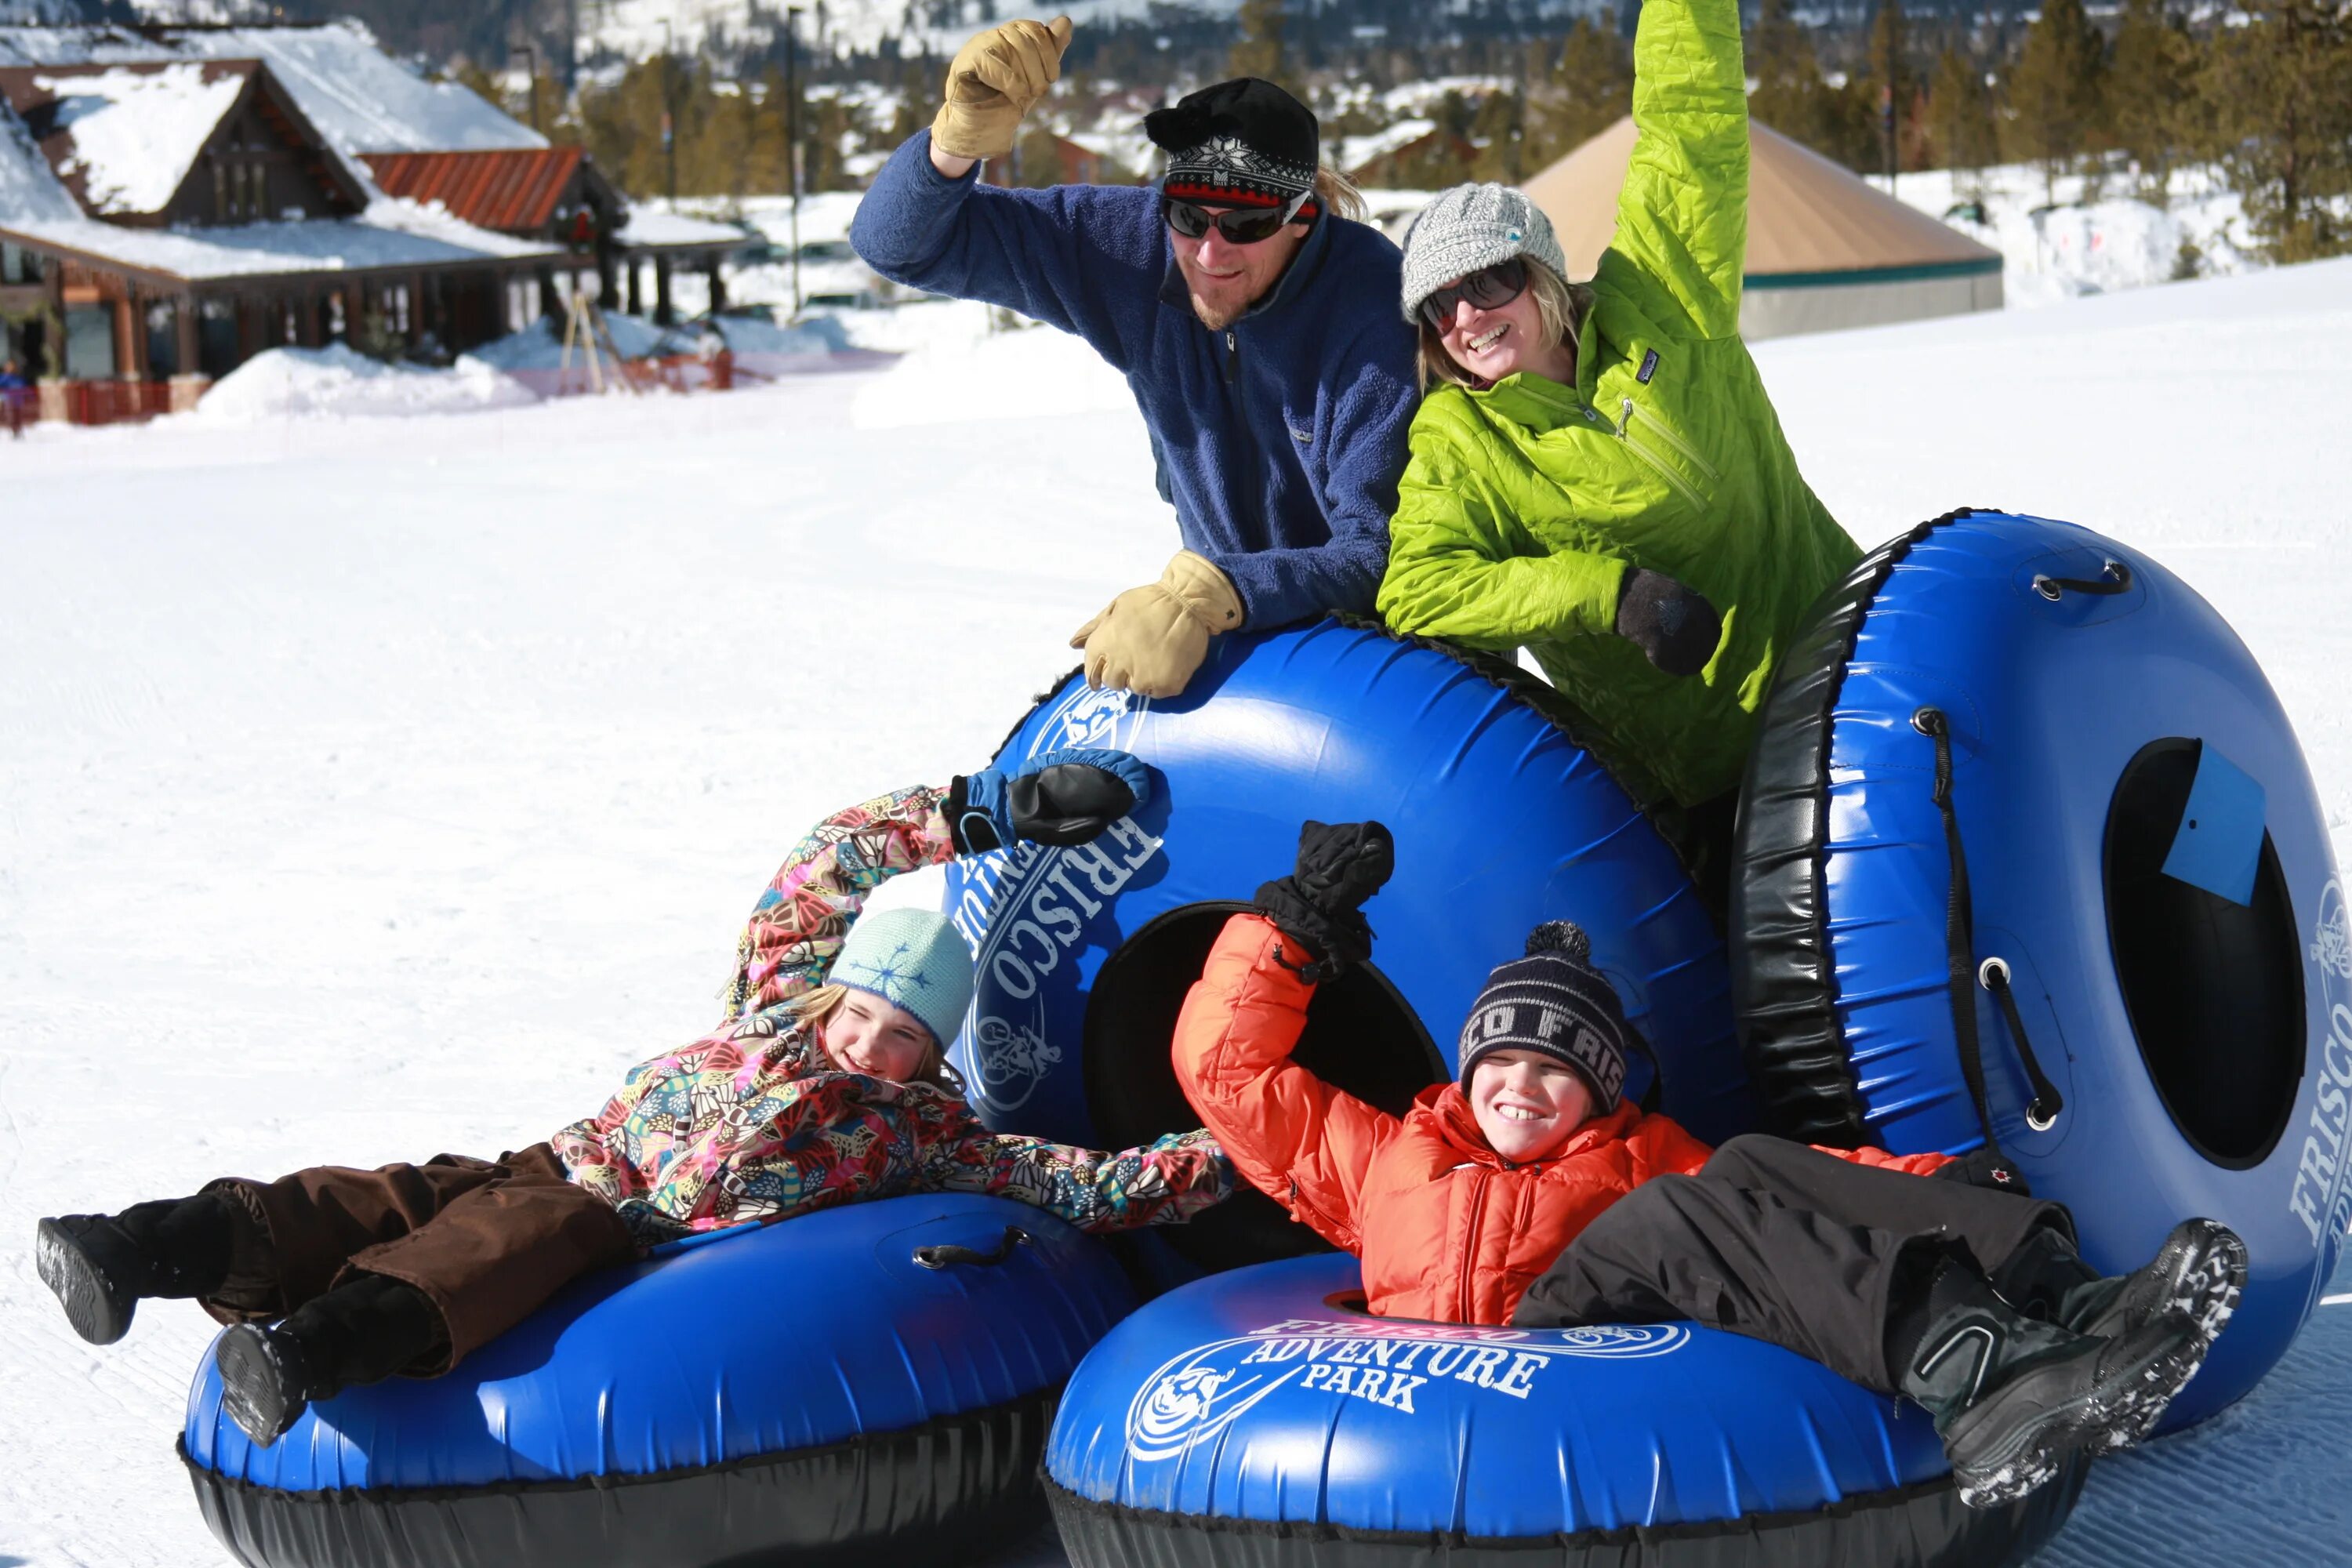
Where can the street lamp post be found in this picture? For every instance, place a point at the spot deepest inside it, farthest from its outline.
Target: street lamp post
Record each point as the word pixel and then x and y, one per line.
pixel 793 138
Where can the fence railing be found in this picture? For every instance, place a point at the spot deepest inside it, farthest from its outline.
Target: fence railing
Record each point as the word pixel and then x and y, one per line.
pixel 85 403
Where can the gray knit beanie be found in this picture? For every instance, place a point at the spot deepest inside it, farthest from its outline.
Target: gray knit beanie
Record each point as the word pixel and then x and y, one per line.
pixel 1470 227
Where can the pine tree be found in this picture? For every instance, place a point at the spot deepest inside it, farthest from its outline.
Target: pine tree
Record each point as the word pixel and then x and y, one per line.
pixel 1959 110
pixel 1891 84
pixel 2149 97
pixel 1258 52
pixel 1792 98
pixel 2283 87
pixel 1590 89
pixel 2054 91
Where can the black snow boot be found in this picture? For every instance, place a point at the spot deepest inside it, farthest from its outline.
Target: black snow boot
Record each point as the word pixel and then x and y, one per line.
pixel 2013 1397
pixel 2199 1272
pixel 357 1333
pixel 100 1265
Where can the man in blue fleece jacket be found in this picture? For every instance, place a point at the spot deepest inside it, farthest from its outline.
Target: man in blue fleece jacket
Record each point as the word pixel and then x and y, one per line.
pixel 1258 328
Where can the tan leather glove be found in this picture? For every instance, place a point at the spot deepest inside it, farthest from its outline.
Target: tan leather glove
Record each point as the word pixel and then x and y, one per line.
pixel 995 79
pixel 1151 639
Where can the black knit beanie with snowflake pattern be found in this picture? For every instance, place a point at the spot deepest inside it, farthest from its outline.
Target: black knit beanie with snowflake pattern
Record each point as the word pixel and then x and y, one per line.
pixel 1243 144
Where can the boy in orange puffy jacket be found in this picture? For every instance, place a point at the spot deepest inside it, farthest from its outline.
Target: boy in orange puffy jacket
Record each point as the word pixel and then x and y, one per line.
pixel 1530 1192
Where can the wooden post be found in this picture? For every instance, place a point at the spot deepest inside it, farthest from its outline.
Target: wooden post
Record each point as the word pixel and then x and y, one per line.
pixel 191 348
pixel 130 346
pixel 636 286
pixel 717 286
pixel 665 314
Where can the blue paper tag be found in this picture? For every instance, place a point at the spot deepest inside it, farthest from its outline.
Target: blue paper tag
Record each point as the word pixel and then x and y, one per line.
pixel 1649 367
pixel 2219 844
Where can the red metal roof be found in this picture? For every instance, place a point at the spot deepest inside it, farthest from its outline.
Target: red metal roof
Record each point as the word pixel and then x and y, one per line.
pixel 514 192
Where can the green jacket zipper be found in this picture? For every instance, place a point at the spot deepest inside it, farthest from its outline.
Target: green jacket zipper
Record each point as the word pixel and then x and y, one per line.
pixel 1681 485
pixel 1651 422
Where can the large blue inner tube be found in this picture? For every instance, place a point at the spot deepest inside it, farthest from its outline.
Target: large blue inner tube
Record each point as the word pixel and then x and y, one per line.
pixel 1260 1417
pixel 1501 820
pixel 863 1384
pixel 2150 874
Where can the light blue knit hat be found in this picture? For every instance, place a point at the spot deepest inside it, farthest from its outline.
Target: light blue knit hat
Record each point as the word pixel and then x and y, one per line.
pixel 914 958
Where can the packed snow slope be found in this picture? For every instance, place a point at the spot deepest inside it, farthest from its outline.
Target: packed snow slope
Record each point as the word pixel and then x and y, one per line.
pixel 373 788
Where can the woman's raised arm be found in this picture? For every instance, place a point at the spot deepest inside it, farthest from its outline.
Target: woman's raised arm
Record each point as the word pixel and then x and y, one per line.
pixel 1681 218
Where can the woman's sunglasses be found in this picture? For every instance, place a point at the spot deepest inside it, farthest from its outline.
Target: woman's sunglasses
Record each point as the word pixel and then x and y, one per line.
pixel 1488 288
pixel 1245 226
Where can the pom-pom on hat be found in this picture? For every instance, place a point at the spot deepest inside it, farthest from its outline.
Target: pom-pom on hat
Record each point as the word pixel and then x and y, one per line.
pixel 1554 1002
pixel 1470 228
pixel 1243 144
pixel 914 958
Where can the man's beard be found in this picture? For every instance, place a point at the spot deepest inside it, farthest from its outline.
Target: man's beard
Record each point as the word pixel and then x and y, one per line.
pixel 1216 320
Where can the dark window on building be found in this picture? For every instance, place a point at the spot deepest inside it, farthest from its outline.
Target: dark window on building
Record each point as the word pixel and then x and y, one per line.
pixel 162 341
pixel 89 343
pixel 216 337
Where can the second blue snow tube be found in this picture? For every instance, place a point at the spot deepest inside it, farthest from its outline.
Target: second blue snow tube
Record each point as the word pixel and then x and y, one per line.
pixel 2151 917
pixel 1501 821
pixel 1262 1417
pixel 870 1383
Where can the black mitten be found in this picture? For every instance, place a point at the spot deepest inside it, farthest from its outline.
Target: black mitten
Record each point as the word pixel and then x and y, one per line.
pixel 1673 623
pixel 1320 904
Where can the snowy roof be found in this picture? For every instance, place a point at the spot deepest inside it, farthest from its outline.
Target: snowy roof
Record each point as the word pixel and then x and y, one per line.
pixel 1354 152
pixel 390 233
pixel 361 99
pixel 1805 213
pixel 28 187
pixel 648 225
pixel 124 137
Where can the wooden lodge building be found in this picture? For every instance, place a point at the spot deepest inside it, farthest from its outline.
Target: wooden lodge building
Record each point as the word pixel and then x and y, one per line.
pixel 174 201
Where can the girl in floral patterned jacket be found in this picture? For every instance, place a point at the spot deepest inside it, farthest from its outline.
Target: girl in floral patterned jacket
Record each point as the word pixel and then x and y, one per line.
pixel 826 1084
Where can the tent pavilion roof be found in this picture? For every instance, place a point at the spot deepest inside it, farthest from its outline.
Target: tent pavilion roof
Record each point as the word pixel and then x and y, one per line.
pixel 1806 215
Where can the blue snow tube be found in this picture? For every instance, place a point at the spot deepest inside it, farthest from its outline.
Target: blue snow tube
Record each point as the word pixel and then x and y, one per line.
pixel 870 1383
pixel 2145 989
pixel 1501 821
pixel 1260 1417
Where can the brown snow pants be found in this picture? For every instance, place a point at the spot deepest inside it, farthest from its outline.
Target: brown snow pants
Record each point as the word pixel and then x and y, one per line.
pixel 487 1241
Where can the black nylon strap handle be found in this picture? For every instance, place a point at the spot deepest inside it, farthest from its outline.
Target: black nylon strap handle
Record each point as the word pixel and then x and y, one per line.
pixel 1959 941
pixel 2114 577
pixel 1993 975
pixel 943 1255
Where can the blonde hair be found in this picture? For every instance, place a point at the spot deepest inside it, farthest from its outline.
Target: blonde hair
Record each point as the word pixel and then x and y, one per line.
pixel 1561 308
pixel 811 1009
pixel 1337 194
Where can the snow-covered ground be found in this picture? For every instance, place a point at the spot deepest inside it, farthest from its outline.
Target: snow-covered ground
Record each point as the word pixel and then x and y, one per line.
pixel 373 788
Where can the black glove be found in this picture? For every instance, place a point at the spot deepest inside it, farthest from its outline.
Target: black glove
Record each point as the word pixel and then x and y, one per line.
pixel 1674 625
pixel 1065 796
pixel 1320 904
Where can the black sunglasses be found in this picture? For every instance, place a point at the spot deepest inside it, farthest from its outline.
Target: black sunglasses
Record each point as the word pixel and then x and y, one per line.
pixel 1246 226
pixel 1489 289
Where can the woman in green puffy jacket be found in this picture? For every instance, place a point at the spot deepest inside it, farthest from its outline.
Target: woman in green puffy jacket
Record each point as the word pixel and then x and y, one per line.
pixel 1597 473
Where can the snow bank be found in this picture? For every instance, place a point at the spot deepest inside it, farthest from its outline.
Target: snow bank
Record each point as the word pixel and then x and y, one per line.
pixel 751 335
pixel 2073 239
pixel 969 372
pixel 340 381
pixel 539 346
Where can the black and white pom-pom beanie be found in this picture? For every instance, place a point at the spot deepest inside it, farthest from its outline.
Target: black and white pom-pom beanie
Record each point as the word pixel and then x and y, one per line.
pixel 1554 1002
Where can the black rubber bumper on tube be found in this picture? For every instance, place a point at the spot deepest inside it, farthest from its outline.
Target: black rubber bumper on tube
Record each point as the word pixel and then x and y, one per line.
pixel 947 1492
pixel 1780 968
pixel 1923 1526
